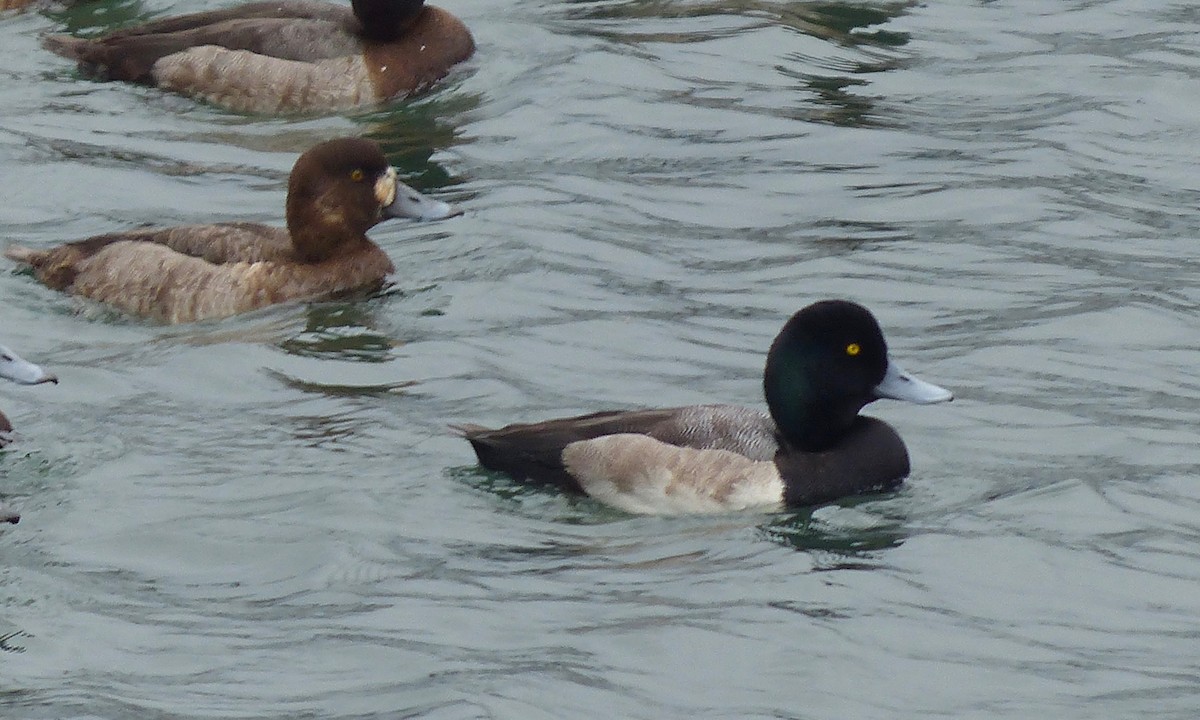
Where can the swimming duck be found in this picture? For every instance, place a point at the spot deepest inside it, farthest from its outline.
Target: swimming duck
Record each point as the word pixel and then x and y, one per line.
pixel 337 191
pixel 829 360
pixel 283 57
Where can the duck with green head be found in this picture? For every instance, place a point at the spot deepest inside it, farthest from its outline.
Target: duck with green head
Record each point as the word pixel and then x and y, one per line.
pixel 827 363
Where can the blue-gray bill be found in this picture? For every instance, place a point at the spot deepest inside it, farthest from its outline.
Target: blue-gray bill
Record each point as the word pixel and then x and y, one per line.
pixel 409 203
pixel 900 385
pixel 14 367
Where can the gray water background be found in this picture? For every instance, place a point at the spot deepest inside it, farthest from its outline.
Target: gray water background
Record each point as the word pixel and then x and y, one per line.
pixel 266 517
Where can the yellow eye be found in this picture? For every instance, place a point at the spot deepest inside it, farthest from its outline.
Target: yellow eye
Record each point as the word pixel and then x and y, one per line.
pixel 356 175
pixel 853 349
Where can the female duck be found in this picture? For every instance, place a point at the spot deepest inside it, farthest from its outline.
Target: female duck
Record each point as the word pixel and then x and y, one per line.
pixel 283 57
pixel 337 191
pixel 828 362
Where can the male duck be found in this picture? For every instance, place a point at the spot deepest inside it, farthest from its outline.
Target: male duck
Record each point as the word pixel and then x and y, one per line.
pixel 290 56
pixel 829 361
pixel 337 191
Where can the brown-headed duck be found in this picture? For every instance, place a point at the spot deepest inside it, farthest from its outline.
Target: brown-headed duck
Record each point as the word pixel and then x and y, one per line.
pixel 292 56
pixel 15 368
pixel 828 362
pixel 337 191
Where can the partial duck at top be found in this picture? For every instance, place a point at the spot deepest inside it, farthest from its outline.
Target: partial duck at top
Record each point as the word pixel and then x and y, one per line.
pixel 293 56
pixel 828 362
pixel 337 191
pixel 26 4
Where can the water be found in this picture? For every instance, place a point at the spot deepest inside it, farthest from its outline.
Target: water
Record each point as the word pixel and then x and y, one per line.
pixel 266 517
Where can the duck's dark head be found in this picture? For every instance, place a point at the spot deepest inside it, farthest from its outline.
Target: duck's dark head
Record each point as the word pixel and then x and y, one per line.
pixel 385 19
pixel 340 189
pixel 827 362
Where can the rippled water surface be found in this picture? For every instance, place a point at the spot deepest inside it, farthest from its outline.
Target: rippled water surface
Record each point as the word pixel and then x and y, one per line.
pixel 266 517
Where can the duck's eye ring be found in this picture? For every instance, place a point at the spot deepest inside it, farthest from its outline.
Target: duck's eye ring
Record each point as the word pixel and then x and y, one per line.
pixel 853 349
pixel 357 175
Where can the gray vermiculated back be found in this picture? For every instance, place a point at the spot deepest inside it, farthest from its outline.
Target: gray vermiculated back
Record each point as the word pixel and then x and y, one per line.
pixel 726 427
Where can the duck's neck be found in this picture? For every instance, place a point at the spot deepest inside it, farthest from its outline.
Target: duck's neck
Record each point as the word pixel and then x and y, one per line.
pixel 808 418
pixel 322 227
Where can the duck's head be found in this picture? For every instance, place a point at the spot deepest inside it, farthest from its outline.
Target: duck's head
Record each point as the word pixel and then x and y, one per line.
pixel 340 189
pixel 827 362
pixel 385 19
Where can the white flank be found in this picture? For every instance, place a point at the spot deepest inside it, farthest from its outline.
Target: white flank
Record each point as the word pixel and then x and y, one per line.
pixel 639 474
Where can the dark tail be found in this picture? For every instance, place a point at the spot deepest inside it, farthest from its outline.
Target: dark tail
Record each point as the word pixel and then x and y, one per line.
pixel 131 59
pixel 72 48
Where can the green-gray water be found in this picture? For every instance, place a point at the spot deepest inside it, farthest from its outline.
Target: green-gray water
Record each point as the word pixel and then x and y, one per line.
pixel 266 517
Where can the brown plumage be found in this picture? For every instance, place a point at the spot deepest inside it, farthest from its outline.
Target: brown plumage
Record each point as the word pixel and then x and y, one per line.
pixel 337 191
pixel 283 57
pixel 26 4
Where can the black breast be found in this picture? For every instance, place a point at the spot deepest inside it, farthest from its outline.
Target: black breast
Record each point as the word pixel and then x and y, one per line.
pixel 871 458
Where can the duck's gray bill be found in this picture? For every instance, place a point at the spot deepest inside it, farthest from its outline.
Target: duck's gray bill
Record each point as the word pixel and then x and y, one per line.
pixel 900 385
pixel 19 370
pixel 411 204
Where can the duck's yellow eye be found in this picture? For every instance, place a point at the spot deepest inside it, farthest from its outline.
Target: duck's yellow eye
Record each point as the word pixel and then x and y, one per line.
pixel 853 349
pixel 357 175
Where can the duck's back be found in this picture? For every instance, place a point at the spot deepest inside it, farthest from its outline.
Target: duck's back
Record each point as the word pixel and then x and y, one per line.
pixel 288 9
pixel 276 57
pixel 534 451
pixel 198 272
pixel 303 31
pixel 373 71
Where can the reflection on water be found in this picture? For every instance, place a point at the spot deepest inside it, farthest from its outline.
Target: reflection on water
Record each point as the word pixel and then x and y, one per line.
pixel 340 330
pixel 848 23
pixel 342 390
pixel 842 535
pixel 412 134
pixel 86 18
pixel 835 80
pixel 525 498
